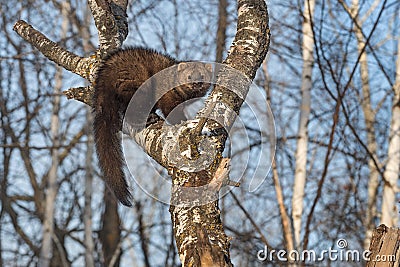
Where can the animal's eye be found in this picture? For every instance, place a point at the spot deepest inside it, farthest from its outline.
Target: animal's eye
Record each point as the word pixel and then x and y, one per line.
pixel 189 77
pixel 202 76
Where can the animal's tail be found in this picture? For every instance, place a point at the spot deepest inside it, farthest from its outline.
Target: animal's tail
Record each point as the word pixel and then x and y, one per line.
pixel 108 145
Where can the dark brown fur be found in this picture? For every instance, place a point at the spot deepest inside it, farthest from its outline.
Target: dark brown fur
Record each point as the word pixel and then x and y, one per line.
pixel 121 74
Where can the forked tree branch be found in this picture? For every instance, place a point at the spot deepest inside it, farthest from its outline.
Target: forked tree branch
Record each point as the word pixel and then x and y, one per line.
pixel 52 50
pixel 111 21
pixel 198 229
pixel 199 233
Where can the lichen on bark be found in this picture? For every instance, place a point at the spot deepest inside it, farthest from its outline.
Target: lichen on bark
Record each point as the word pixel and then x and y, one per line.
pixel 198 228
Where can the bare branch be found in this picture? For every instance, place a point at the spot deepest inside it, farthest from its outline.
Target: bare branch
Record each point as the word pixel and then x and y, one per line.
pixel 82 94
pixel 53 51
pixel 111 22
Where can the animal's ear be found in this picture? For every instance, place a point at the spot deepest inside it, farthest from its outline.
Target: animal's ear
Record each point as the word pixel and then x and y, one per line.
pixel 182 66
pixel 209 67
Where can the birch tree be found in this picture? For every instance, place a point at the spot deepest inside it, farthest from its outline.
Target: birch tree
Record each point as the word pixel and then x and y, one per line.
pixel 199 233
pixel 46 253
pixel 390 213
pixel 300 174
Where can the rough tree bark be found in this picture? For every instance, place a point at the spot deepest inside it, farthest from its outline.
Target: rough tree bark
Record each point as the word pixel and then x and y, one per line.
pixel 87 213
pixel 89 172
pixel 198 229
pixel 110 232
pixel 384 248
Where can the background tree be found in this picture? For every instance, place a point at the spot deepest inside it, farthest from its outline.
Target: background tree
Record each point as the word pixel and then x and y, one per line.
pixel 305 108
pixel 198 229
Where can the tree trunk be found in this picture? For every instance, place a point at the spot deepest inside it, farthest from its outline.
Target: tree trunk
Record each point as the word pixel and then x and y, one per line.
pixel 285 219
pixel 390 213
pixel 87 213
pixel 46 251
pixel 110 233
pixel 384 248
pixel 305 107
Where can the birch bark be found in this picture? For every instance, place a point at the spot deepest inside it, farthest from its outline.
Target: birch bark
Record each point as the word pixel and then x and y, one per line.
pixel 87 213
pixel 199 233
